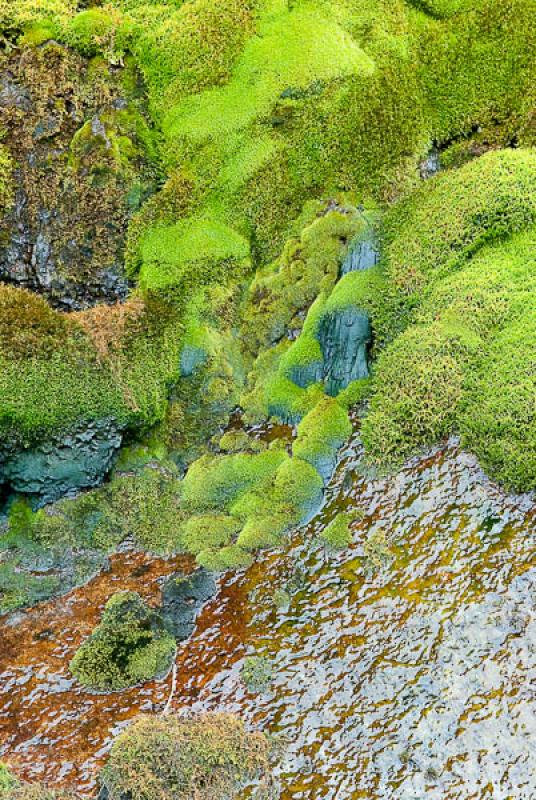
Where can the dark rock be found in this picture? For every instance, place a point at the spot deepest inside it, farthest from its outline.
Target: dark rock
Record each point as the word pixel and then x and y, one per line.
pixel 307 374
pixel 182 599
pixel 344 337
pixel 64 236
pixel 63 464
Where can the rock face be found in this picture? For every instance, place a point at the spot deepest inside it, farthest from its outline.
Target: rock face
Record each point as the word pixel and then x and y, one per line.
pixel 63 464
pixel 77 171
pixel 344 338
pixel 182 598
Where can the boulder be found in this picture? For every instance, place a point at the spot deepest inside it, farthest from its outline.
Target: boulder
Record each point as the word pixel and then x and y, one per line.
pixel 182 599
pixel 64 463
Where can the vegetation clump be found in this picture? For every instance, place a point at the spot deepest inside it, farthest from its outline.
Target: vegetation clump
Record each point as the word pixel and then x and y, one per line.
pixel 209 757
pixel 337 534
pixel 129 646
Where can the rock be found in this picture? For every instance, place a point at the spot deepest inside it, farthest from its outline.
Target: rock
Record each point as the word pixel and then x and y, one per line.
pixel 363 253
pixel 64 464
pixel 307 374
pixel 182 599
pixel 344 337
pixel 431 164
pixel 64 236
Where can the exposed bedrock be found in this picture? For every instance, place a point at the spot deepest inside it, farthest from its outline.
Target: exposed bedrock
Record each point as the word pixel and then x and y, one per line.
pixel 79 174
pixel 363 252
pixel 63 464
pixel 344 337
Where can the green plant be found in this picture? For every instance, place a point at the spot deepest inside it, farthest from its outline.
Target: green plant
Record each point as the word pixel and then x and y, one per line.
pixel 209 757
pixel 337 534
pixel 256 673
pixel 129 646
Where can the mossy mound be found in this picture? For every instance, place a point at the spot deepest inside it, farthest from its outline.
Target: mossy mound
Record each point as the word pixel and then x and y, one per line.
pixel 466 268
pixel 210 757
pixel 337 534
pixel 129 646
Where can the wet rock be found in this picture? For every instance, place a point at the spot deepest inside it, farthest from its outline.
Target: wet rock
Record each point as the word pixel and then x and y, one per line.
pixel 307 374
pixel 182 598
pixel 363 253
pixel 344 337
pixel 63 464
pixel 64 236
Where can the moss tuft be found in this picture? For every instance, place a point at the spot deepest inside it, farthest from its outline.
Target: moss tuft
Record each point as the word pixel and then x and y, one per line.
pixel 210 757
pixel 129 646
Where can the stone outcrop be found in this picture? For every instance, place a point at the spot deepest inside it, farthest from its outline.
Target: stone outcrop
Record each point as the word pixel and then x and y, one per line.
pixel 182 598
pixel 63 464
pixel 363 253
pixel 344 337
pixel 78 172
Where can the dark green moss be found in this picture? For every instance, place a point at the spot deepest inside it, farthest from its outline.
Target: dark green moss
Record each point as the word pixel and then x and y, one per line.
pixel 129 646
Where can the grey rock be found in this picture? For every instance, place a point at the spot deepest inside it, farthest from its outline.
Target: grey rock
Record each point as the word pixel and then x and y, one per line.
pixel 182 598
pixel 64 464
pixel 306 375
pixel 363 253
pixel 431 164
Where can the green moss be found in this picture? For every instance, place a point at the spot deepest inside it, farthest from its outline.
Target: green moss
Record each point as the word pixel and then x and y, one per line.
pixel 6 180
pixel 210 757
pixel 419 389
pixel 476 283
pixel 187 254
pixel 432 233
pixel 337 534
pixel 309 264
pixel 272 510
pixel 231 557
pixel 129 646
pixel 499 419
pixel 99 30
pixel 320 435
pixel 355 393
pixel 208 531
pixel 217 482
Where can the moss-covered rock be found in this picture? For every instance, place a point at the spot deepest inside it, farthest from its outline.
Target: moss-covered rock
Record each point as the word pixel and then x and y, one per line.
pixel 80 143
pixel 337 534
pixel 130 645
